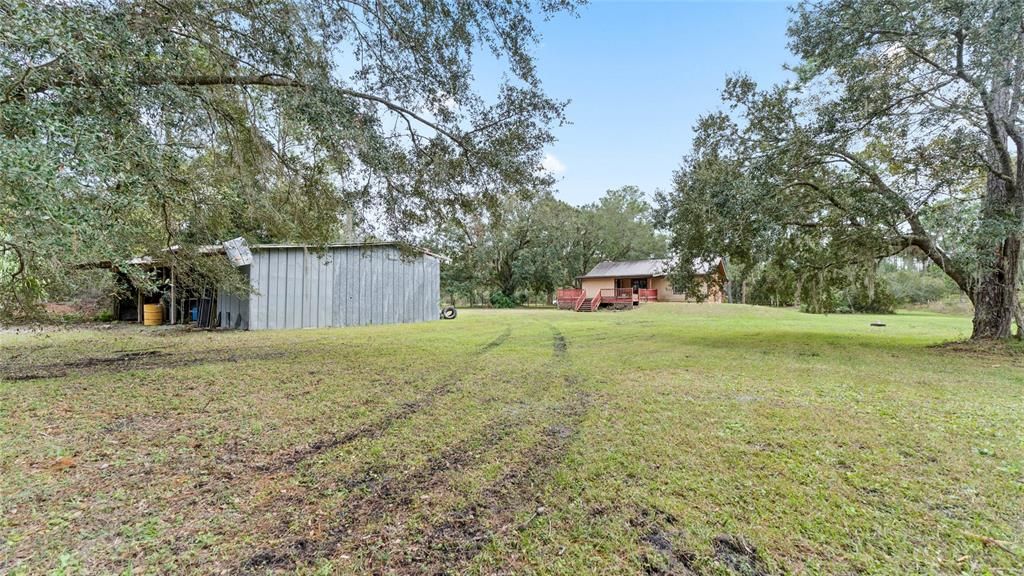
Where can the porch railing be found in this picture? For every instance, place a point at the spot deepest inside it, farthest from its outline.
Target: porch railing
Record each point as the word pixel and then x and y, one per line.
pixel 617 295
pixel 567 297
pixel 648 295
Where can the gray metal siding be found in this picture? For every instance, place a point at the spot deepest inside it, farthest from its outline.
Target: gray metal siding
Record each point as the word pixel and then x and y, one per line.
pixel 346 286
pixel 232 310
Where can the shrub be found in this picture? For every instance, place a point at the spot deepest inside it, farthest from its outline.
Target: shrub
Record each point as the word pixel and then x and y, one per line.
pixel 861 299
pixel 913 287
pixel 502 300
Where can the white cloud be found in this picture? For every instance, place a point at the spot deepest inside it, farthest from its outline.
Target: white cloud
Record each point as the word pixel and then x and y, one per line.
pixel 552 164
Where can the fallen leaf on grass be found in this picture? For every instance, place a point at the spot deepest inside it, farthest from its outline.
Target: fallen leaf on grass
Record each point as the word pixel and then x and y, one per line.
pixel 62 464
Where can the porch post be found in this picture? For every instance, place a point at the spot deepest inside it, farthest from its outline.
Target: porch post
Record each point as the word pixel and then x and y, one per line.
pixel 174 302
pixel 141 308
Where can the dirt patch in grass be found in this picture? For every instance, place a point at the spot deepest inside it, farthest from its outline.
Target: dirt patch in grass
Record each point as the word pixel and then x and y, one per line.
pixel 739 556
pixel 666 554
pixel 125 361
pixel 559 344
pixel 1012 351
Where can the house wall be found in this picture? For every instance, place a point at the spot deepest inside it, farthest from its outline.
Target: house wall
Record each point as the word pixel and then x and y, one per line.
pixel 347 286
pixel 666 294
pixel 593 285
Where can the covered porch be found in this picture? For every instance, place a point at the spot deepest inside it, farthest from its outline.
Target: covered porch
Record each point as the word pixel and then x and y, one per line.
pixel 625 292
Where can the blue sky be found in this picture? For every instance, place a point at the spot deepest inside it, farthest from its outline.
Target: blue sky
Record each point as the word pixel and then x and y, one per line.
pixel 639 74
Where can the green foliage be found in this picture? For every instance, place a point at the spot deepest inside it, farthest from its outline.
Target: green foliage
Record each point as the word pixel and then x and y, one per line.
pixel 130 127
pixel 619 226
pixel 543 244
pixel 502 300
pixel 866 298
pixel 910 286
pixel 902 131
pixel 770 285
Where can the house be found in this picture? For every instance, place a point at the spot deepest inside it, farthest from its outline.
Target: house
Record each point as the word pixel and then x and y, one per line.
pixel 632 282
pixel 301 286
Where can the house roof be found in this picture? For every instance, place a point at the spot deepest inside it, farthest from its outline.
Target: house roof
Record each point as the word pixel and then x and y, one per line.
pixel 628 268
pixel 643 268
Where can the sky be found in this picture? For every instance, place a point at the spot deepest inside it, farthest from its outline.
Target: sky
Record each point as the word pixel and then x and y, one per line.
pixel 638 75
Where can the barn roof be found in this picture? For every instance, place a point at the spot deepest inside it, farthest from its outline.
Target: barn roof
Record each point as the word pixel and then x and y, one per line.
pixel 643 268
pixel 398 245
pixel 214 249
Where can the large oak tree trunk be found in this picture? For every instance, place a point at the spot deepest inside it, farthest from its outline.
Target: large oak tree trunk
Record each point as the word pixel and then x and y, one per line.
pixel 995 296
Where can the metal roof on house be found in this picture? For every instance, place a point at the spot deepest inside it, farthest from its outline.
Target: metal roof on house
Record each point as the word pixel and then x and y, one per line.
pixel 644 268
pixel 629 269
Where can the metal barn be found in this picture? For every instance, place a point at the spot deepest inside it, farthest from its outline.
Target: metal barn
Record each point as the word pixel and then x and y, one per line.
pixel 347 285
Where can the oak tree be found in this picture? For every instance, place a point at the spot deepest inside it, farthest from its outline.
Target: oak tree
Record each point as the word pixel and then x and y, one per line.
pixel 902 131
pixel 130 126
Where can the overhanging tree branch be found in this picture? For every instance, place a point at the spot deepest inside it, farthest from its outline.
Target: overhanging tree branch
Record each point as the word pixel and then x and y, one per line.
pixel 270 80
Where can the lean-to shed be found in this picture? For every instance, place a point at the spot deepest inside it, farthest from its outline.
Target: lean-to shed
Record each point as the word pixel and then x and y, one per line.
pixel 345 285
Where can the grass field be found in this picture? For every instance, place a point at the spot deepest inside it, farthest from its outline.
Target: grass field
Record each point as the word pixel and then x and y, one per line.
pixel 674 439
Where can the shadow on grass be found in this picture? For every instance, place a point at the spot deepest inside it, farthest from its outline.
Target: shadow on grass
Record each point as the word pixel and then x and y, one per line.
pixel 788 342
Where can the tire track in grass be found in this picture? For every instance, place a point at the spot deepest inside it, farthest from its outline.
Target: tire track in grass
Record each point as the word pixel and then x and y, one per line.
pixel 464 532
pixel 560 346
pixel 379 426
pixel 127 361
pixel 460 536
pixel 452 543
pixel 377 493
pixel 373 477
pixel 455 542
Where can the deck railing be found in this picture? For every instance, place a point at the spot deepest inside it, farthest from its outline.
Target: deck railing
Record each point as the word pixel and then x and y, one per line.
pixel 617 295
pixel 648 295
pixel 567 297
pixel 575 297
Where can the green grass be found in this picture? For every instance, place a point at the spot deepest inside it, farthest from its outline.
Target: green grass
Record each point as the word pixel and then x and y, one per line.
pixel 673 439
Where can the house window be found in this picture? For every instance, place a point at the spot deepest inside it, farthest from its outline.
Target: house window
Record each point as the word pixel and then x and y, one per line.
pixel 632 283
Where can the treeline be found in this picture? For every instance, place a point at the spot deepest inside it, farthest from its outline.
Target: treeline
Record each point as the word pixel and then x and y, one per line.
pixel 901 131
pixel 906 280
pixel 521 251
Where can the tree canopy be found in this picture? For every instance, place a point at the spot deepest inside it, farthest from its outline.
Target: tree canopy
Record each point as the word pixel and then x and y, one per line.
pixel 132 126
pixel 543 244
pixel 903 130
